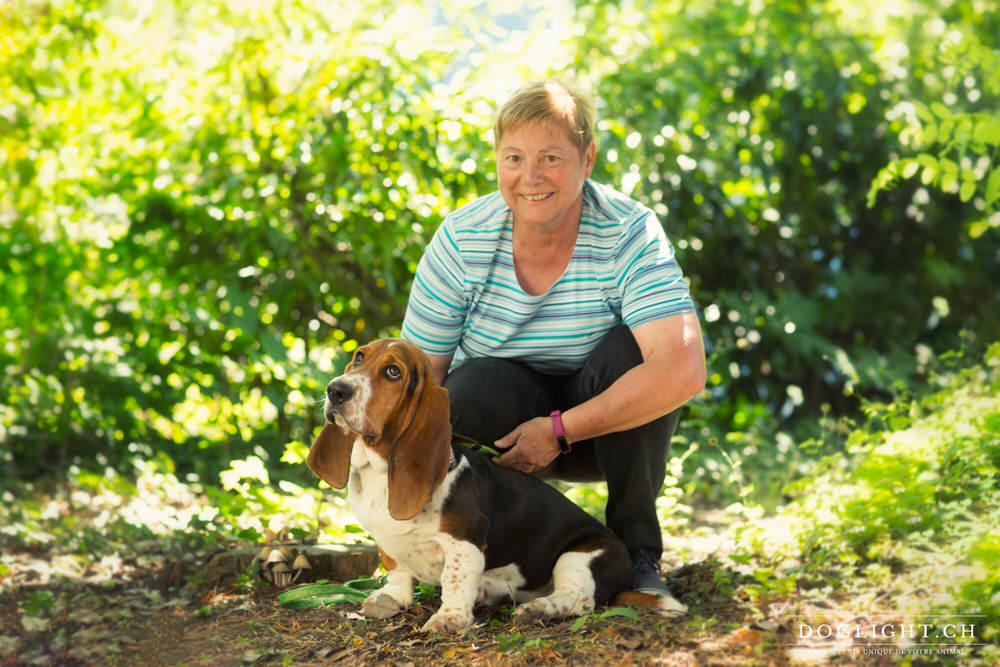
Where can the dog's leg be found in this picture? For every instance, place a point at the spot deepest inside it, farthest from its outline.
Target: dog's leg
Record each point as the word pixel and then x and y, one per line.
pixel 394 597
pixel 573 594
pixel 505 584
pixel 463 569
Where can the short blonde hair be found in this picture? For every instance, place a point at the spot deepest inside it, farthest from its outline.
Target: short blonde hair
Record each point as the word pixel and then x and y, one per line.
pixel 549 102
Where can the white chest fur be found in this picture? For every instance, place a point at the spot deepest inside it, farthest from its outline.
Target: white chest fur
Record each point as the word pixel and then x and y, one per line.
pixel 417 545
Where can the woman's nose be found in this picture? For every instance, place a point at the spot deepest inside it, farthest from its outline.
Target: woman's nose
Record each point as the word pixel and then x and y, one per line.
pixel 534 172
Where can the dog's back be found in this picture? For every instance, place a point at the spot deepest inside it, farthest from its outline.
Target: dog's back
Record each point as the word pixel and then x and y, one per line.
pixel 531 524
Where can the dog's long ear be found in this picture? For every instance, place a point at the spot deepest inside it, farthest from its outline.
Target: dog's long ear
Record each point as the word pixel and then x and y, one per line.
pixel 330 456
pixel 419 454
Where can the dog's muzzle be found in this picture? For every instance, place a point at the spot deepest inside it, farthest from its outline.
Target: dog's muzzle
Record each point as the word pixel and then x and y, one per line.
pixel 338 393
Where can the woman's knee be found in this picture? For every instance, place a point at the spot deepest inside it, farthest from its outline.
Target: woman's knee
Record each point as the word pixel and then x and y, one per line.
pixel 616 354
pixel 489 397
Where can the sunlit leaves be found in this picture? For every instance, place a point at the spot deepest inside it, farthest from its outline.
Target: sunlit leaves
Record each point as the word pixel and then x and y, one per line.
pixel 201 203
pixel 205 211
pixel 918 489
pixel 251 468
pixel 757 128
pixel 958 146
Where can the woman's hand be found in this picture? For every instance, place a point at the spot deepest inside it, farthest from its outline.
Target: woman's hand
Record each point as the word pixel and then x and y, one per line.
pixel 529 447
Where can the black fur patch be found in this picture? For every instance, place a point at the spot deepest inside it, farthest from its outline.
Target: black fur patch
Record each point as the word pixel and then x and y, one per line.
pixel 414 381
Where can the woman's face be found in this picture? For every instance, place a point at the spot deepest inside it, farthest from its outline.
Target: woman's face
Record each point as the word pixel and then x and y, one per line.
pixel 541 174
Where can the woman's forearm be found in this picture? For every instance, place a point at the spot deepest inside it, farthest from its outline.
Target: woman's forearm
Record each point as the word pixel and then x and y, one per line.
pixel 672 372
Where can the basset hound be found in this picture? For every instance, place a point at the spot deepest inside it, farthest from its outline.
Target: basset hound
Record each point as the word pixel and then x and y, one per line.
pixel 446 515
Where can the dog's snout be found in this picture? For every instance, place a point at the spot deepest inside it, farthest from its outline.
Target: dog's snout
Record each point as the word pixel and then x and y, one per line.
pixel 339 393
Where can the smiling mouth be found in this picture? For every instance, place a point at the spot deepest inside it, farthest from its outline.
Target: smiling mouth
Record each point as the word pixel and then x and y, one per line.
pixel 538 197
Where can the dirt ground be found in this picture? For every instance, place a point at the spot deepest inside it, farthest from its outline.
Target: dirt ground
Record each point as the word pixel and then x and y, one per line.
pixel 134 623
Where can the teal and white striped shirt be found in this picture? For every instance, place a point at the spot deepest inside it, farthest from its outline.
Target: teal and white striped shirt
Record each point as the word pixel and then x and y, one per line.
pixel 466 299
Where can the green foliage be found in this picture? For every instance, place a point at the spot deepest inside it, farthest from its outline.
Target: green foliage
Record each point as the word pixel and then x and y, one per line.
pixel 323 594
pixel 510 642
pixel 185 222
pixel 980 583
pixel 613 612
pixel 754 130
pixel 203 206
pixel 967 141
pixel 920 488
pixel 39 603
pixel 111 514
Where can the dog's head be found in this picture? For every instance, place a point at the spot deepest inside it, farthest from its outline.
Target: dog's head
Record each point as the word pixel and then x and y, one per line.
pixel 387 398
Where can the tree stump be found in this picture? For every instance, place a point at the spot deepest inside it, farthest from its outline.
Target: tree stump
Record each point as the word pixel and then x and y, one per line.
pixel 335 562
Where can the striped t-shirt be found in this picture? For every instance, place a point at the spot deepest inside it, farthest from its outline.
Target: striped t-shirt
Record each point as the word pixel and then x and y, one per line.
pixel 466 300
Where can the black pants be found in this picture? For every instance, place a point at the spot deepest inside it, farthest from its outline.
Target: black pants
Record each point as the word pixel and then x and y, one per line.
pixel 490 397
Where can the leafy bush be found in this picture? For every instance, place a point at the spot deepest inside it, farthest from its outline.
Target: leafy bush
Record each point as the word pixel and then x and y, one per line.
pixel 200 204
pixel 967 141
pixel 95 515
pixel 921 488
pixel 755 130
pixel 190 225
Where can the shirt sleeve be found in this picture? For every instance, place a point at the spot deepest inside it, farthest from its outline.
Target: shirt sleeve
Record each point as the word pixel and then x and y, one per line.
pixel 650 280
pixel 435 313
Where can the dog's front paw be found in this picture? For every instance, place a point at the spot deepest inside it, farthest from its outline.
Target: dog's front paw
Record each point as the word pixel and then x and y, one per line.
pixel 449 620
pixel 381 605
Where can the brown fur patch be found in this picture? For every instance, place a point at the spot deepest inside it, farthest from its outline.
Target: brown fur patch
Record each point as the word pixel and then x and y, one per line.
pixel 667 605
pixel 633 599
pixel 591 544
pixel 388 563
pixel 470 526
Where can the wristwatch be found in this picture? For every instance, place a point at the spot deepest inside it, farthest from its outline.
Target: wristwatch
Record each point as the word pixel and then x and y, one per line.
pixel 557 426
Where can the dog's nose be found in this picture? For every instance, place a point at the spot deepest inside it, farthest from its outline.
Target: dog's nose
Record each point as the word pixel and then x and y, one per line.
pixel 339 392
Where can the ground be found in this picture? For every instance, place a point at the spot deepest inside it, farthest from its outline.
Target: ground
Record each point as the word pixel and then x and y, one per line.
pixel 123 626
pixel 161 611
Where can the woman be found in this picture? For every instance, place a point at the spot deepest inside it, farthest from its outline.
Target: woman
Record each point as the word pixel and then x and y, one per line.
pixel 556 316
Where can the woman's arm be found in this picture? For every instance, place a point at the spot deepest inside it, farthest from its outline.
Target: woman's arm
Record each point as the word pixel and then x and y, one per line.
pixel 671 373
pixel 439 367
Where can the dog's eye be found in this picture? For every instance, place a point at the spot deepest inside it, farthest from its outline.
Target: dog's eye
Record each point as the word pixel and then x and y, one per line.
pixel 358 358
pixel 392 372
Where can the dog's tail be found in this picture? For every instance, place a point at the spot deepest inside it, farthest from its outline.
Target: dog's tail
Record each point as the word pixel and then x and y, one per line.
pixel 660 604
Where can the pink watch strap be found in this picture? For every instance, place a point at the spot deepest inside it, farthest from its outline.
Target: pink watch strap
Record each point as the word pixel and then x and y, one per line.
pixel 557 427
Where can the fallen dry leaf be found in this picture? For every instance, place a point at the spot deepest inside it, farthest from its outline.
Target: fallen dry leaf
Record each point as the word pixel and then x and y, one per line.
pixel 746 636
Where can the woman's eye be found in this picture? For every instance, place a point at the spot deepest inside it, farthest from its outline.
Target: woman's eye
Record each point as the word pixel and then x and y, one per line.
pixel 358 358
pixel 392 373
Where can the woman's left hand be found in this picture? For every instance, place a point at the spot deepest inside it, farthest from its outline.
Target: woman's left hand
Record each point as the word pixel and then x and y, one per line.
pixel 529 447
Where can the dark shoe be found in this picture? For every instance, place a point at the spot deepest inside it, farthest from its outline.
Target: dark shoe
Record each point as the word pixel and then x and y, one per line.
pixel 647 576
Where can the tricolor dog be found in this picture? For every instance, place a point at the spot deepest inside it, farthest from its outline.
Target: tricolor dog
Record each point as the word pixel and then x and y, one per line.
pixel 448 516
